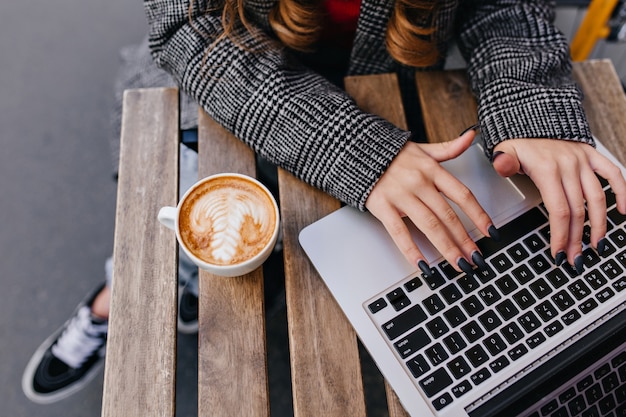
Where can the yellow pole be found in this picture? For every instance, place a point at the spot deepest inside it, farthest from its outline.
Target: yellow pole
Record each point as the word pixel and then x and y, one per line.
pixel 593 28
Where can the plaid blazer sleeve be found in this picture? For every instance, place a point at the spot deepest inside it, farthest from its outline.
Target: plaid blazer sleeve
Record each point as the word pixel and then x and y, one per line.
pixel 520 70
pixel 286 113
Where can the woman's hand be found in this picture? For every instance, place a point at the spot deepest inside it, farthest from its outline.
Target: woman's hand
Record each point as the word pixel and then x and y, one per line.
pixel 413 186
pixel 565 174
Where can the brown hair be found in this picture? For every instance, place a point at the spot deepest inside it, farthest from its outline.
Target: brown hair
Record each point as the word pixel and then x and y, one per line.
pixel 298 23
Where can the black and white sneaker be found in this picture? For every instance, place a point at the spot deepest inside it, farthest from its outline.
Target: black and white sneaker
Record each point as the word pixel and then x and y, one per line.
pixel 187 310
pixel 68 359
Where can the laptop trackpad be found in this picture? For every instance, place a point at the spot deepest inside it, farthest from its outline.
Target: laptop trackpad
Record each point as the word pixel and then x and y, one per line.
pixel 499 196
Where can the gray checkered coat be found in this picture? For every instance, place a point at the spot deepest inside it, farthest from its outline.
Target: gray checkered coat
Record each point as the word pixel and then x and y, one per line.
pixel 518 65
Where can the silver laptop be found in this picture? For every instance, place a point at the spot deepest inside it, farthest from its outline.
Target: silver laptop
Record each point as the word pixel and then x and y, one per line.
pixel 500 342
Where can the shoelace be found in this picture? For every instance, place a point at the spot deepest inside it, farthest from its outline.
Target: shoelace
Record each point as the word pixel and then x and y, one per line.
pixel 80 339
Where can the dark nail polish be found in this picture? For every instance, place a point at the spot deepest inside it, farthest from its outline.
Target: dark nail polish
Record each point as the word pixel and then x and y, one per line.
pixel 560 257
pixel 479 261
pixel 423 266
pixel 472 127
pixel 578 264
pixel 495 155
pixel 465 266
pixel 494 233
pixel 602 245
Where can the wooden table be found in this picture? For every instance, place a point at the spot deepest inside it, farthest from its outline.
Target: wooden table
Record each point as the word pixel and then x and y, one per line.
pixel 140 371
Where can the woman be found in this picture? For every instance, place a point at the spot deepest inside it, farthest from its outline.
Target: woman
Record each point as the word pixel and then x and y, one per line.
pixel 252 66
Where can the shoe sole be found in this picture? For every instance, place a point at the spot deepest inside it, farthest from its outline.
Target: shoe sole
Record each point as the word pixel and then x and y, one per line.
pixel 33 363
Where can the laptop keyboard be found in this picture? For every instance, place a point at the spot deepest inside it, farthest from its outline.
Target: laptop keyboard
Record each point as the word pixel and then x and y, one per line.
pixel 464 329
pixel 597 391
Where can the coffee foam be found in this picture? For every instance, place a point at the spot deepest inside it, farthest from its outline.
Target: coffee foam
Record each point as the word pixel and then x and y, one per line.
pixel 227 220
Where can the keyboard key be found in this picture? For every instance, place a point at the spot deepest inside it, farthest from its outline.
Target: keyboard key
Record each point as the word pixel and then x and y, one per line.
pixel 472 305
pixel 557 278
pixel 501 263
pixel 579 289
pixel 436 354
pixel 540 288
pixel 595 279
pixel 512 333
pixel 490 320
pixel 481 376
pixel 377 305
pixel 404 321
pixel 567 395
pixel 517 253
pixel 539 264
pixel 605 294
pixel 616 217
pixel 607 404
pixel 585 383
pixel 413 284
pixel 621 257
pixel 437 327
pixel 418 366
pixel 553 328
pixel 459 367
pixel 602 371
pixel 618 237
pixel 570 317
pixel 435 382
pixel 594 392
pixel 611 269
pixel 435 280
pixel 588 305
pixel 506 284
pixel 489 295
pixel 455 316
pixel 517 352
pixel 522 274
pixel 529 321
pixel 590 257
pixel 535 340
pixel 472 331
pixel 462 388
pixel 412 343
pixel 507 309
pixel 500 363
pixel 467 283
pixel 485 275
pixel 591 412
pixel 577 405
pixel 549 408
pixel 524 299
pixel 442 401
pixel 546 311
pixel 451 293
pixel 448 270
pixel 620 284
pixel 433 304
pixel 454 342
pixel 494 344
pixel 563 300
pixel 610 382
pixel 534 243
pixel 476 355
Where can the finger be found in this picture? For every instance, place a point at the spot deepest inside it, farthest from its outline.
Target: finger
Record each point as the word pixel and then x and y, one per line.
pixel 444 151
pixel 400 234
pixel 442 227
pixel 505 164
pixel 608 170
pixel 596 205
pixel 572 185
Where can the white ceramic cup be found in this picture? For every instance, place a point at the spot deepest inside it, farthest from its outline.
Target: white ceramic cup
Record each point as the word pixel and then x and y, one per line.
pixel 232 213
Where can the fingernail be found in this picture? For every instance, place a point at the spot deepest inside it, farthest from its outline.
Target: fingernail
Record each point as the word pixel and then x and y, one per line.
pixel 560 257
pixel 601 246
pixel 465 266
pixel 495 155
pixel 473 127
pixel 494 233
pixel 479 261
pixel 578 264
pixel 423 266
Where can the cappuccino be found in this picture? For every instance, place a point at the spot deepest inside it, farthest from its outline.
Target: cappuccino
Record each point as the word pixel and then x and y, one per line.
pixel 227 220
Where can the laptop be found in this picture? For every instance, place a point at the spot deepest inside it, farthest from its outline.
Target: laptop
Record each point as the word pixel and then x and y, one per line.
pixel 519 339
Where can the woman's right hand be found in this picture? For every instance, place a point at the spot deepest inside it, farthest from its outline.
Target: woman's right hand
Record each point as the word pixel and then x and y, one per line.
pixel 414 185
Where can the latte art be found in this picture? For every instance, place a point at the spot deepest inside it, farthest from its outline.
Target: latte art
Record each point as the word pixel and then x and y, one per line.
pixel 227 221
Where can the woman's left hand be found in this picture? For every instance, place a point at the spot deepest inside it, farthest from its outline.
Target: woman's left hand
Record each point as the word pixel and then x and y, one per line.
pixel 565 174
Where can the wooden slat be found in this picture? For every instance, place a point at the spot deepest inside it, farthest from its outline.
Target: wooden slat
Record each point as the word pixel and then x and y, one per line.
pixel 141 347
pixel 380 95
pixel 232 357
pixel 448 106
pixel 605 104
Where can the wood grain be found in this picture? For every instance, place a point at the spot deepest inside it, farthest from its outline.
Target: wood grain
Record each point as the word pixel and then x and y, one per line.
pixel 141 347
pixel 232 357
pixel 448 106
pixel 605 103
